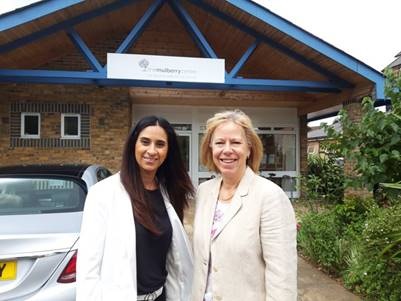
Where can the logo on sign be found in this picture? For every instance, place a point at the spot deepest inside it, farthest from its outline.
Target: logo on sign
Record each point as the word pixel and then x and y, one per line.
pixel 144 63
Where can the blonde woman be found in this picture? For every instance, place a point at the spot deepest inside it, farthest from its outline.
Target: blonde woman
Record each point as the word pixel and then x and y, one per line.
pixel 244 229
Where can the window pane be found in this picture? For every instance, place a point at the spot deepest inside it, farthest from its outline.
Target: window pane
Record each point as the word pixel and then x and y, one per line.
pixel 287 183
pixel 38 196
pixel 31 125
pixel 201 180
pixel 71 126
pixel 183 143
pixel 279 152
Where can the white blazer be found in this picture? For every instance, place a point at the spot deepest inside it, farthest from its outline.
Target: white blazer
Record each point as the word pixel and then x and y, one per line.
pixel 106 264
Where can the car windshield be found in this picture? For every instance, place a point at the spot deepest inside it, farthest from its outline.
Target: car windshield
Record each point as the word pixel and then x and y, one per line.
pixel 40 195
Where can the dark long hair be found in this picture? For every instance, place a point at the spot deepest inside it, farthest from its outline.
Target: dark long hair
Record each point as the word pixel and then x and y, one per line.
pixel 172 175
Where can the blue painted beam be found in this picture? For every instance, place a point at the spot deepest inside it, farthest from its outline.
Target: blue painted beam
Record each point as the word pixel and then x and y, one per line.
pixel 241 62
pixel 291 53
pixel 378 103
pixel 313 42
pixel 140 26
pixel 33 12
pixel 51 73
pixel 193 29
pixel 86 52
pixel 291 84
pixel 63 25
pixel 99 78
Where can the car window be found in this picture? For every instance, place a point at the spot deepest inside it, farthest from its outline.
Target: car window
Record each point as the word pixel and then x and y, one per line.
pixel 40 195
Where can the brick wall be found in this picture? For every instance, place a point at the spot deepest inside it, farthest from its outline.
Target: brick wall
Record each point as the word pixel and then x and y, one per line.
pixel 303 136
pixel 354 110
pixel 109 123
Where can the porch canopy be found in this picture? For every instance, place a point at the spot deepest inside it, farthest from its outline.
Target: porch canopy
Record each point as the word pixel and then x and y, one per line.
pixel 268 59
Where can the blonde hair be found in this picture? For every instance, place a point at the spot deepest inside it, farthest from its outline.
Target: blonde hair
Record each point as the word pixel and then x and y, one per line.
pixel 253 140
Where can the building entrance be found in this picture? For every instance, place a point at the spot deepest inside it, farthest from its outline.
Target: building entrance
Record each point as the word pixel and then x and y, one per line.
pixel 277 128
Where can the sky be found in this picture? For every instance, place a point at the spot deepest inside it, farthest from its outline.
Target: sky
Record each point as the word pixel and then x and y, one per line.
pixel 7 5
pixel 369 30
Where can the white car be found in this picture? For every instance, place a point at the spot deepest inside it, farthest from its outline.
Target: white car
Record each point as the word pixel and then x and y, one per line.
pixel 40 219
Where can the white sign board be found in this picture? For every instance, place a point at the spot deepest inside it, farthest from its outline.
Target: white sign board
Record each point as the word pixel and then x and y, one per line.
pixel 165 68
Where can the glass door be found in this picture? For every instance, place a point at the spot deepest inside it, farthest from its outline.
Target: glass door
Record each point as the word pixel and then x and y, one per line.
pixel 184 132
pixel 279 158
pixel 184 143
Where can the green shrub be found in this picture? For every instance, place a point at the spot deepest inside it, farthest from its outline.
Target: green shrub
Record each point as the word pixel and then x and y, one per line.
pixel 324 180
pixel 370 271
pixel 319 239
pixel 389 193
pixel 327 237
pixel 374 143
pixel 354 209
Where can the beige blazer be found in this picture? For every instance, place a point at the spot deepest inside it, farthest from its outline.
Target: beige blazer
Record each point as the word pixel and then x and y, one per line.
pixel 254 256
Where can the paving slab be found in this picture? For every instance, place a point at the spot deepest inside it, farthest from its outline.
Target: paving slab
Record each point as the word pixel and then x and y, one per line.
pixel 314 285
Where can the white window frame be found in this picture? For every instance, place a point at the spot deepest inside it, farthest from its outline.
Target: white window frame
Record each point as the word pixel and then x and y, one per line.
pixel 63 136
pixel 23 134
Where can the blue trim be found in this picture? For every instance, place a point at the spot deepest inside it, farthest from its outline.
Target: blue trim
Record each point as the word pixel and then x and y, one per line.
pixel 140 26
pixel 378 103
pixel 63 25
pixel 297 85
pixel 313 42
pixel 51 73
pixel 81 46
pixel 99 78
pixel 33 12
pixel 291 53
pixel 243 59
pixel 193 29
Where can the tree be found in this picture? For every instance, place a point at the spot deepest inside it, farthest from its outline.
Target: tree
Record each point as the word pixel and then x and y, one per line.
pixel 374 144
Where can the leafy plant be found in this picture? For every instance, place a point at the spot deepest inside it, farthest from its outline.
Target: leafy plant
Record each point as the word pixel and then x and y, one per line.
pixel 390 193
pixel 374 144
pixel 319 239
pixel 324 180
pixel 374 262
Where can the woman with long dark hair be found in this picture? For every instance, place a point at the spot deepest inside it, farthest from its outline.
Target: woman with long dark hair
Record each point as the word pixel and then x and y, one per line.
pixel 133 245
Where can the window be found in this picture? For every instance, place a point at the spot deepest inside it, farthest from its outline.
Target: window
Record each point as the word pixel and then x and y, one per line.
pixel 184 145
pixel 183 131
pixel 71 126
pixel 31 195
pixel 30 125
pixel 279 152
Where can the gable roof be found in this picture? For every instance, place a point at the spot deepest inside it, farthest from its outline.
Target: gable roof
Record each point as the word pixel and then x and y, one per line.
pixel 262 50
pixel 396 63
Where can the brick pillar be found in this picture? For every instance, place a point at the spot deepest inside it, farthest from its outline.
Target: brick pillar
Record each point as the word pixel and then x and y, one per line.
pixel 354 111
pixel 303 139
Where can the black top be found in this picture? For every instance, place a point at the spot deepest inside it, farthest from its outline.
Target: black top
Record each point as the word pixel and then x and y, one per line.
pixel 151 249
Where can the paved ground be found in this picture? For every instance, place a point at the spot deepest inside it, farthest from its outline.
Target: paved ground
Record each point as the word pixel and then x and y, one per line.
pixel 313 285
